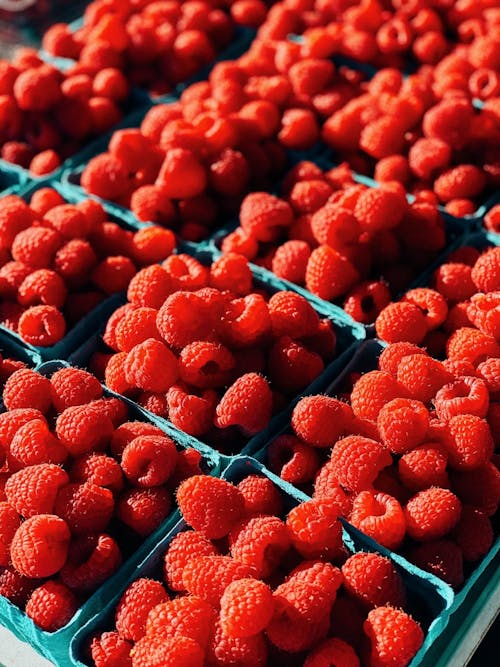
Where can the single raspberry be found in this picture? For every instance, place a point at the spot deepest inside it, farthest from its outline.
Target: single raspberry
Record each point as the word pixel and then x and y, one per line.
pixel 51 606
pixel 366 301
pixel 290 261
pixel 246 608
pixel 86 507
pixel 12 275
pixel 186 272
pixel 423 467
pixel 16 587
pixel 127 432
pixel 380 516
pixel 326 485
pixel 432 513
pixel 292 315
pixel 401 321
pixel 292 367
pixel 489 371
pixel 428 156
pixel 136 326
pixel 383 137
pixel 247 403
pixel 181 320
pixel 27 389
pixel 210 505
pixel 113 274
pixel 12 420
pixel 372 391
pixel 241 243
pixel 486 271
pixel 143 510
pixel 471 345
pixel 244 651
pixel 40 546
pixel 189 412
pixel 33 490
pixel 188 616
pixel 483 310
pixel 453 280
pixel 309 196
pixel 373 580
pixel 378 209
pixel 149 460
pixel 356 461
pixel 110 650
pixel 134 606
pixel 324 575
pixel 182 176
pixel 463 182
pixel 231 272
pixel 320 420
pixel 473 533
pixel 83 428
pixel 208 577
pixel 332 651
pixel 16 216
pixel 470 444
pixel 73 386
pixel 97 469
pixel 431 303
pixel 314 528
pixel 449 121
pixel 33 444
pixel 260 495
pixel 259 542
pixel 42 287
pixel 466 395
pixel 184 547
pixel 329 273
pixel 244 321
pixel 402 424
pixel 106 176
pixel 150 287
pixel 92 559
pixel 422 377
pixel 9 523
pixel 42 325
pixel 394 636
pixel 442 558
pixel 292 460
pixel 204 364
pixel 36 246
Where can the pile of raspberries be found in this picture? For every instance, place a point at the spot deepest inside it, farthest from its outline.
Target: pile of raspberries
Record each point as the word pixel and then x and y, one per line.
pixel 80 485
pixel 248 588
pixel 59 260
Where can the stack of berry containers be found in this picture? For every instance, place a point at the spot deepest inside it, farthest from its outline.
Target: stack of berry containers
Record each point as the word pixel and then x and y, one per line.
pixel 206 232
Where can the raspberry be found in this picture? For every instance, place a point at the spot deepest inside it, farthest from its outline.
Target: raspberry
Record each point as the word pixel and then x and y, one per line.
pixel 402 424
pixel 244 321
pixel 208 577
pixel 292 460
pixel 42 325
pixel 114 374
pixel 492 219
pixel 301 610
pixel 86 507
pixel 181 319
pixel 326 485
pixel 473 533
pixel 372 391
pixel 247 403
pixel 442 558
pixel 33 490
pixel 27 389
pixel 36 246
pixel 83 428
pixel 314 528
pixel 127 432
pixel 380 516
pixel 246 608
pixel 240 243
pixel 469 344
pixel 143 510
pixel 244 651
pixel 73 386
pixel 181 175
pixel 13 420
pixel 483 310
pixel 489 371
pixel 432 513
pixel 68 221
pixel 290 261
pixel 9 523
pixel 383 137
pixel 423 467
pixel 332 651
pixel 106 176
pixel 12 275
pixel 111 650
pixel 259 542
pixel 16 216
pixel 149 460
pixel 136 325
pixel 134 606
pixel 186 272
pixel 310 195
pixel 378 209
pixel 210 505
pixel 486 271
pixel 231 272
pixel 292 315
pixel 40 546
pixel 428 156
pixel 479 487
pixel 92 559
pixel 42 287
pixel 176 651
pixel 150 287
pixel 184 616
pixel 466 395
pixel 373 580
pixel 453 280
pixel 366 301
pixel 34 444
pixel 113 274
pixel 402 321
pixel 394 636
pixel 143 364
pixel 432 304
pixel 51 606
pixel 260 495
pixel 356 461
pixel 449 121
pixel 316 572
pixel 470 444
pixel 422 377
pixel 189 412
pixel 329 274
pixel 263 215
pixel 463 182
pixel 184 547
pixel 292 367
pixel 392 355
pixel 37 88
pixel 204 364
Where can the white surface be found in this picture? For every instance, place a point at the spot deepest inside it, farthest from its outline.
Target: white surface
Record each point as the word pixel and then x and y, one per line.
pixel 14 653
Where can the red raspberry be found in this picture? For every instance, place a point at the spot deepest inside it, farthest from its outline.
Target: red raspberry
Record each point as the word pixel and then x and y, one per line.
pixel 468 344
pixel 110 650
pixel 208 577
pixel 324 575
pixel 262 215
pixel 231 272
pixel 181 320
pixel 176 651
pixel 150 203
pixel 473 533
pixel 453 280
pixel 334 226
pixel 290 261
pixel 466 395
pixel 15 587
pixel 432 304
pixel 292 367
pixel 92 559
pixel 333 651
pixel 314 528
pixel 136 325
pixel 113 274
pixel 244 321
pixel 489 371
pixel 373 580
pixel 51 606
pixel 402 424
pixel 13 420
pixel 150 287
pixel 106 176
pixel 423 467
pixel 134 606
pixel 422 377
pixel 442 558
pixel 68 221
pixel 186 272
pixel 383 137
pixel 40 546
pixel 292 460
pixel 143 510
pixel 189 412
pixel 470 444
pixel 366 301
pixel 402 321
pixel 492 219
pixel 259 542
pixel 184 616
pixel 241 243
pixel 428 156
pixel 372 391
pixel 34 444
pixel 449 121
pixel 486 271
pixel 378 209
pixel 86 508
pixel 393 354
pixel 380 516
pixel 12 275
pixel 73 386
pixel 83 428
pixel 244 651
pixel 114 374
pixel 246 608
pixel 309 195
pixel 230 173
pixel 181 176
pixel 27 389
pixel 184 547
pixel 42 325
pixel 395 637
pixel 204 364
pixel 432 513
pixel 36 246
pixel 37 88
pixel 151 366
pixel 16 216
pixel 127 432
pixel 9 523
pixel 42 287
pixel 479 487
pixel 326 485
pixel 247 403
pixel 210 505
pixel 260 495
pixel 463 182
pixel 33 490
pixel 149 460
pixel 292 315
pixel 329 274
pixel 356 461
pixel 484 311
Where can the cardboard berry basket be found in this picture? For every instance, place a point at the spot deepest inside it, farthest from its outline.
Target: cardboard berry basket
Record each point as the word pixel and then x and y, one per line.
pixel 429 598
pixel 10 178
pixel 10 348
pixel 55 645
pixel 349 335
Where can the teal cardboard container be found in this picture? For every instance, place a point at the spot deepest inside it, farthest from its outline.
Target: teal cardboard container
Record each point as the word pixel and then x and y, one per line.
pixel 11 179
pixel 10 348
pixel 55 645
